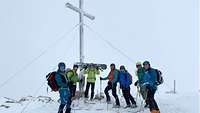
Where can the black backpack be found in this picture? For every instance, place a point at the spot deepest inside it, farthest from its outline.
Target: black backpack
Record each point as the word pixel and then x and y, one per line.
pixel 160 79
pixel 51 81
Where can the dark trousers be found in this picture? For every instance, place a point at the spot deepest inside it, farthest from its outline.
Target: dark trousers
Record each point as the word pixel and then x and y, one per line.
pixel 72 90
pixel 150 99
pixel 65 98
pixel 68 110
pixel 127 96
pixel 114 92
pixel 87 90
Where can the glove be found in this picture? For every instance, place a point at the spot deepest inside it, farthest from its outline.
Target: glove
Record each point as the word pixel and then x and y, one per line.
pixel 101 78
pixel 130 82
pixel 136 83
pixel 70 84
pixel 156 83
pixel 109 83
pixel 145 84
pixel 81 80
pixel 85 67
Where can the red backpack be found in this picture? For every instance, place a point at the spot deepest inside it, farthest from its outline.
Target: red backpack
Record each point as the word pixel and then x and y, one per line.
pixel 51 81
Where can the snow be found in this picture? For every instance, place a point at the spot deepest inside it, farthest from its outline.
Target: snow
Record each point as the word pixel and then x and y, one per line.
pixel 168 103
pixel 152 30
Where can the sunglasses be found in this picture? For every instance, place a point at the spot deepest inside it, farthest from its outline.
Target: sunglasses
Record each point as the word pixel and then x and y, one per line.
pixel 138 65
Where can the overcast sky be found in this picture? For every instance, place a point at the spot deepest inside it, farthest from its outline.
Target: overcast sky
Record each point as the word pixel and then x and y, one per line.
pixel 161 31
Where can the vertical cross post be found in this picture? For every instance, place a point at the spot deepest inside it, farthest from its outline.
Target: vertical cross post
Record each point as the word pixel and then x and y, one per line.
pixel 81 31
pixel 82 14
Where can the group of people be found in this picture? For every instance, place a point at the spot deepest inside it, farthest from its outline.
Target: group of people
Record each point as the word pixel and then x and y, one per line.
pixel 67 79
pixel 146 83
pixel 125 80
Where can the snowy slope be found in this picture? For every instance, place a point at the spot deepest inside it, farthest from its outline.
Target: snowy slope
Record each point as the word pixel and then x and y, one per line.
pixel 168 103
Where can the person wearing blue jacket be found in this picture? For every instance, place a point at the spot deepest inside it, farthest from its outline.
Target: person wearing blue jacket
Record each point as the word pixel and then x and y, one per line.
pixel 150 82
pixel 125 81
pixel 64 91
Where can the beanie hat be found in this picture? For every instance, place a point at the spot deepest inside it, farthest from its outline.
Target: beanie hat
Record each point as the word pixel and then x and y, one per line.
pixel 138 63
pixel 75 66
pixel 61 64
pixel 146 62
pixel 122 67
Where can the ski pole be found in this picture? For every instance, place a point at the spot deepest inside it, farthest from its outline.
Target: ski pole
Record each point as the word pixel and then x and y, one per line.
pixel 137 94
pixel 100 86
pixel 107 106
pixel 100 89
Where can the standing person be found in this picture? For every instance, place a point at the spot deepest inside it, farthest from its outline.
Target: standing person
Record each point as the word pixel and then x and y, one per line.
pixel 139 83
pixel 125 80
pixel 64 91
pixel 112 84
pixel 82 80
pixel 73 79
pixel 150 78
pixel 91 72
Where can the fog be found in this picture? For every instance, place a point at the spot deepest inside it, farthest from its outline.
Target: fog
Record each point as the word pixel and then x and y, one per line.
pixel 165 32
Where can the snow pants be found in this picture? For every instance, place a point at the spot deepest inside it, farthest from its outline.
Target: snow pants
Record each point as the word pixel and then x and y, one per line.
pixel 150 99
pixel 127 96
pixel 114 92
pixel 72 90
pixel 87 89
pixel 65 98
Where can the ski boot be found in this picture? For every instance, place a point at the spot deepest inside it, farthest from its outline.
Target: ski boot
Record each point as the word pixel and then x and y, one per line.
pixel 128 106
pixel 91 99
pixel 68 110
pixel 155 111
pixel 60 111
pixel 146 106
pixel 134 106
pixel 108 102
pixel 116 106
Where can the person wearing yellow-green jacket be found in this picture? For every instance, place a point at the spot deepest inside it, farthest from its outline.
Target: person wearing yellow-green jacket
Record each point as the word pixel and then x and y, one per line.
pixel 91 72
pixel 73 79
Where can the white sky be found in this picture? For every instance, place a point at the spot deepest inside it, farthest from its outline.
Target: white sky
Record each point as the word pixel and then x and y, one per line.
pixel 161 31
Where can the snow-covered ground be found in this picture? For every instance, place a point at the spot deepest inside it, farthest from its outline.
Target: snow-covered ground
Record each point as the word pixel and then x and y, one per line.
pixel 168 103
